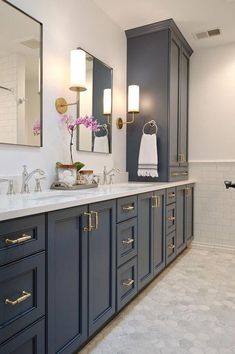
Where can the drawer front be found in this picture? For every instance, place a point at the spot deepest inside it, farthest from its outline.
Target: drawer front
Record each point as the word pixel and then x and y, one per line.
pixel 171 249
pixel 171 196
pixel 29 341
pixel 21 237
pixel 22 294
pixel 178 174
pixel 126 241
pixel 126 283
pixel 126 208
pixel 170 218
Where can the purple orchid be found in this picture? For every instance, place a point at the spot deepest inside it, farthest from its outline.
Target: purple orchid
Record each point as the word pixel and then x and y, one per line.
pixel 36 128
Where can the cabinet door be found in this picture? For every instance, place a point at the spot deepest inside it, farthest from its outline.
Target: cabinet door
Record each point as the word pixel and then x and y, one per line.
pixel 67 280
pixel 174 102
pixel 189 213
pixel 159 233
pixel 184 91
pixel 102 264
pixel 145 239
pixel 181 218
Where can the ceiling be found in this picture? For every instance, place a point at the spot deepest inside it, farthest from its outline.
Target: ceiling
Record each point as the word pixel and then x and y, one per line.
pixel 191 16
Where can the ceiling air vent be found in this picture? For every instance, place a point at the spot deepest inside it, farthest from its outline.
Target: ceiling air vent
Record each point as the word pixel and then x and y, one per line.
pixel 207 34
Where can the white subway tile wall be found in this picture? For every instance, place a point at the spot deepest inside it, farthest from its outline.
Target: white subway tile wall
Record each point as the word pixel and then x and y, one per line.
pixel 214 205
pixel 8 78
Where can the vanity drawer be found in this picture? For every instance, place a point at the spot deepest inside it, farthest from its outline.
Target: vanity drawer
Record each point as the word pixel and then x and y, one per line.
pixel 171 196
pixel 126 241
pixel 170 218
pixel 126 283
pixel 170 247
pixel 22 294
pixel 21 237
pixel 126 208
pixel 29 341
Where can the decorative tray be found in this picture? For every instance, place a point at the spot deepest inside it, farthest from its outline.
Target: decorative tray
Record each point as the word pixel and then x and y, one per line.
pixel 63 186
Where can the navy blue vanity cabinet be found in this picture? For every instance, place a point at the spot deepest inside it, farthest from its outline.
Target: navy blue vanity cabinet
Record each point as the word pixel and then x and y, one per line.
pixel 101 264
pixel 67 244
pixel 158 61
pixel 159 243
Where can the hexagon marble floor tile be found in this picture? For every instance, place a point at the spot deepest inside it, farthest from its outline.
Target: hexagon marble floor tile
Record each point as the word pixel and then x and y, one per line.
pixel 188 309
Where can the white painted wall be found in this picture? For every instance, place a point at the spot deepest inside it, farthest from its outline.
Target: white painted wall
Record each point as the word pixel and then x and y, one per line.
pixel 67 26
pixel 212 104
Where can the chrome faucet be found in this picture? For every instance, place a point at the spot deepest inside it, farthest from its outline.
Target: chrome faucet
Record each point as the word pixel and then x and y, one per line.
pixel 26 176
pixel 11 189
pixel 110 174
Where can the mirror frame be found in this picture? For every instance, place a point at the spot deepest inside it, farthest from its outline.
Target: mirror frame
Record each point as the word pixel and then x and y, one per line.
pixel 111 116
pixel 41 77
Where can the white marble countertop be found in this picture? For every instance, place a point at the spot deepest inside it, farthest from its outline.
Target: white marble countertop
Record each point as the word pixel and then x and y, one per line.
pixel 20 205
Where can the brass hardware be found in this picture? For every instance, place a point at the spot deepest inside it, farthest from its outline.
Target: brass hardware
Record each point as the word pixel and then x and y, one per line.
pixel 171 195
pixel 157 199
pixel 181 158
pixel 128 208
pixel 21 239
pixel 96 220
pixel 120 122
pixel 62 105
pixel 171 218
pixel 175 174
pixel 171 246
pixel 184 173
pixel 22 298
pixel 128 282
pixel 89 227
pixel 128 241
pixel 188 192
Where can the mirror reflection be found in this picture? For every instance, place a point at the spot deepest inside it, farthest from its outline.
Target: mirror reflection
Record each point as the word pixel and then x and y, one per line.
pixel 20 77
pixel 96 101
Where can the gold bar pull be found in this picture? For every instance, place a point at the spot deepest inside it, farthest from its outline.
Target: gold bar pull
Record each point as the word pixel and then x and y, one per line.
pixel 157 203
pixel 188 192
pixel 128 208
pixel 89 227
pixel 171 218
pixel 128 241
pixel 171 246
pixel 184 173
pixel 175 174
pixel 96 220
pixel 22 298
pixel 128 282
pixel 21 239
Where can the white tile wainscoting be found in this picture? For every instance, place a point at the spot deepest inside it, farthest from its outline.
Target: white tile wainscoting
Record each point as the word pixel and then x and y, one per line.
pixel 214 205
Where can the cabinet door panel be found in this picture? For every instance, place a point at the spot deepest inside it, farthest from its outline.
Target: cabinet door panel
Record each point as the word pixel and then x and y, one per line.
pixel 102 265
pixel 145 239
pixel 67 280
pixel 174 102
pixel 181 218
pixel 184 89
pixel 159 234
pixel 190 213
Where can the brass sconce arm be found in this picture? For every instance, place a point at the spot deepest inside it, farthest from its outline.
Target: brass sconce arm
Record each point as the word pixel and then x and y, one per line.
pixel 120 122
pixel 62 105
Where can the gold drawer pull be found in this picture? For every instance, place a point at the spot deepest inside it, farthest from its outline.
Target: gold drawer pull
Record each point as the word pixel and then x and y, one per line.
pixel 88 228
pixel 175 174
pixel 184 173
pixel 171 218
pixel 21 239
pixel 22 298
pixel 128 241
pixel 157 203
pixel 128 282
pixel 188 192
pixel 128 208
pixel 171 195
pixel 171 246
pixel 96 220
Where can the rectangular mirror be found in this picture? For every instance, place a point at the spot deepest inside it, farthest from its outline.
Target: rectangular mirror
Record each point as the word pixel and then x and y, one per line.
pixel 96 101
pixel 20 77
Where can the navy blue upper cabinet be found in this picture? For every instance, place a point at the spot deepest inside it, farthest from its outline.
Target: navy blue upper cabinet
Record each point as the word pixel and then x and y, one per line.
pixel 102 264
pixel 158 61
pixel 67 280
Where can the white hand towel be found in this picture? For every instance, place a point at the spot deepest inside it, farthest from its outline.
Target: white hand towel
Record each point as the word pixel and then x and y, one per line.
pixel 101 144
pixel 148 156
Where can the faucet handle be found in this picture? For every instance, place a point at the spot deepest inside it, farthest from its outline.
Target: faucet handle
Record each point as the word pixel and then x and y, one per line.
pixel 38 187
pixel 11 189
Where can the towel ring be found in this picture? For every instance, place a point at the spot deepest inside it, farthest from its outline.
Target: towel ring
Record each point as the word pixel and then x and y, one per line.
pixel 104 127
pixel 152 124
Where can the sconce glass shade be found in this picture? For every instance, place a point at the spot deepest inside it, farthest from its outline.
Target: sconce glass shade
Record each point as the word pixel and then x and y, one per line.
pixel 133 98
pixel 77 70
pixel 107 101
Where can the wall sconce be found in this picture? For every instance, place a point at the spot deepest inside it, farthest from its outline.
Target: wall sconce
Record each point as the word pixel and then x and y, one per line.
pixel 77 79
pixel 107 103
pixel 133 105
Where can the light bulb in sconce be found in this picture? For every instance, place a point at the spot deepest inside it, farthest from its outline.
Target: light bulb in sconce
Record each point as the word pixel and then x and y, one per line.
pixel 77 79
pixel 107 103
pixel 133 105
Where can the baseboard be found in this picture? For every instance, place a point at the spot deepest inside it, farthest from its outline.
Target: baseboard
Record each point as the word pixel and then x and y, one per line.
pixel 207 246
